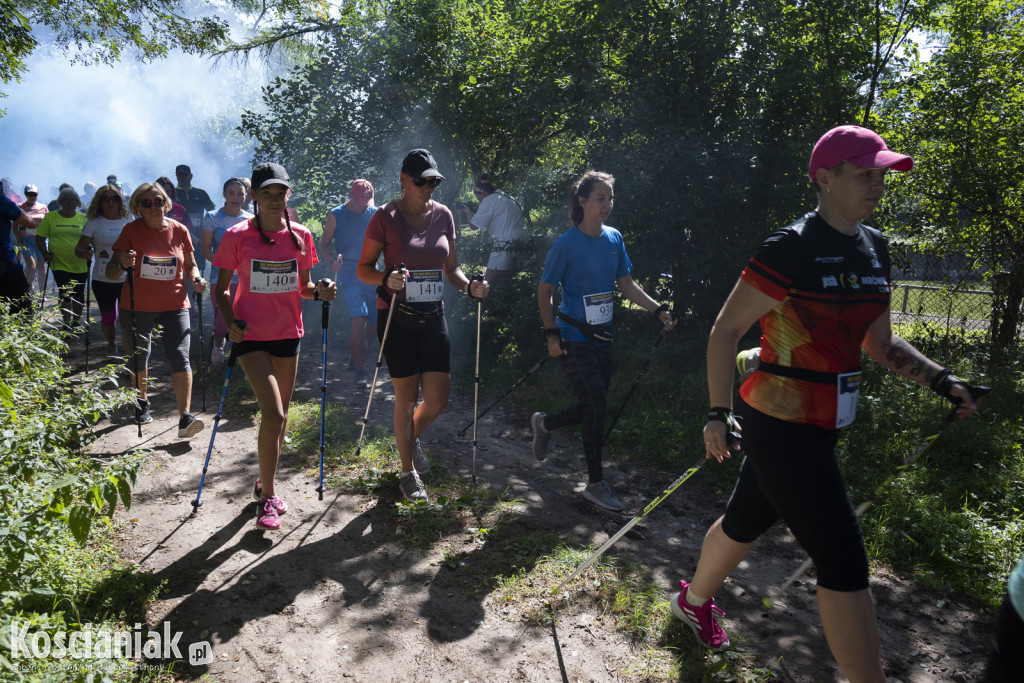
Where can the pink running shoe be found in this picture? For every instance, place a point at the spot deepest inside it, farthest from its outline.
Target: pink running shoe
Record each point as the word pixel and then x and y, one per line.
pixel 700 619
pixel 266 514
pixel 257 495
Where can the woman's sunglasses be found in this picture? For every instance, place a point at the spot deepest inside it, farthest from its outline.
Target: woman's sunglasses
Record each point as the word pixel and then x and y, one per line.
pixel 113 198
pixel 432 182
pixel 147 203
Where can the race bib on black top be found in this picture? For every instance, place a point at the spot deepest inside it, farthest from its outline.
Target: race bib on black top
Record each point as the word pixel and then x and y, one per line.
pixel 424 286
pixel 274 277
pixel 164 268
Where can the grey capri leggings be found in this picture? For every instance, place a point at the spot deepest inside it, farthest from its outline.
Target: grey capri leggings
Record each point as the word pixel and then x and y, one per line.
pixel 177 336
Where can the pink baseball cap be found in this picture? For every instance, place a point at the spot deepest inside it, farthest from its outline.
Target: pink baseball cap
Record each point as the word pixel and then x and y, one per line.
pixel 361 190
pixel 858 146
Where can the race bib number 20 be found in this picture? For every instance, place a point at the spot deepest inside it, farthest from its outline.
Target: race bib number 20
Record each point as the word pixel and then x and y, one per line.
pixel 274 277
pixel 164 268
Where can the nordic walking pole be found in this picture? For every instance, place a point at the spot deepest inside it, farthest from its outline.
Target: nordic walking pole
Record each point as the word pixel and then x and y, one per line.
pixel 629 394
pixel 380 357
pixel 476 372
pixel 535 368
pixel 197 503
pixel 135 342
pixel 202 351
pixel 922 446
pixel 629 525
pixel 88 277
pixel 46 281
pixel 325 321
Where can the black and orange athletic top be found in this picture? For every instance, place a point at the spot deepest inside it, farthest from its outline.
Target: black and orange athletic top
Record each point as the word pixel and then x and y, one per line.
pixel 831 287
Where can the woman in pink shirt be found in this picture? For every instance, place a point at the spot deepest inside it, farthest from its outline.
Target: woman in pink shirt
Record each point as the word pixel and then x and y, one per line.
pixel 273 258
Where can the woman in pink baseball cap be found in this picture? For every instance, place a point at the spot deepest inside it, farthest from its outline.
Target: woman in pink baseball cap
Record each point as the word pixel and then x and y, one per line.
pixel 820 289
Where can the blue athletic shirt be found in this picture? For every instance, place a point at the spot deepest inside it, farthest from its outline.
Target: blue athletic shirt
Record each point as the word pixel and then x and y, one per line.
pixel 586 268
pixel 349 233
pixel 9 211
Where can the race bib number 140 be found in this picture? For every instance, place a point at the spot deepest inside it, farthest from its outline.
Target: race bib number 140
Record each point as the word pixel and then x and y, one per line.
pixel 274 277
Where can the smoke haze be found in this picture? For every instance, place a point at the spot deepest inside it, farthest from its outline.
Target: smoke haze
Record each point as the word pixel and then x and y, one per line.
pixel 74 123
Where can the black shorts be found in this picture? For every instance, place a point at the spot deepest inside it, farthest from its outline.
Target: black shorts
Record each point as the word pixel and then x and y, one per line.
pixel 412 352
pixel 790 472
pixel 278 348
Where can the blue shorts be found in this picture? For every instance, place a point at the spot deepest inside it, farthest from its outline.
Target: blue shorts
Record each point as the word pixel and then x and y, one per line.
pixel 30 242
pixel 360 299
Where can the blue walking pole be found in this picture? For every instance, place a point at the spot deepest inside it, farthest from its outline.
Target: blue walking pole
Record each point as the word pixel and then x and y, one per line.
pixel 197 503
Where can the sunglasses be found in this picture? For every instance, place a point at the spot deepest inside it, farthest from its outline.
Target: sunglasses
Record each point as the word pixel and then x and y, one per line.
pixel 147 203
pixel 114 198
pixel 31 194
pixel 432 182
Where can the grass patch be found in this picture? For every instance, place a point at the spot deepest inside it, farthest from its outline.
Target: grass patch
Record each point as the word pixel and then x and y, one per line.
pixel 924 297
pixel 615 593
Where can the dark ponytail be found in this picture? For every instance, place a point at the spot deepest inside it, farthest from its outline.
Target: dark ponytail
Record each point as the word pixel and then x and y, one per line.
pixel 267 239
pixel 582 188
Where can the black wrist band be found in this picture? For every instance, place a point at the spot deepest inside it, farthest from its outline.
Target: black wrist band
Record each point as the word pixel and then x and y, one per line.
pixel 467 292
pixel 942 384
pixel 316 294
pixel 939 377
pixel 657 311
pixel 719 414
pixel 549 331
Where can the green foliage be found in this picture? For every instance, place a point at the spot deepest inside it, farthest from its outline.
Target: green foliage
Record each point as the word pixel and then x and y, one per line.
pixel 101 30
pixel 59 564
pixel 961 114
pixel 701 109
pixel 50 484
pixel 955 515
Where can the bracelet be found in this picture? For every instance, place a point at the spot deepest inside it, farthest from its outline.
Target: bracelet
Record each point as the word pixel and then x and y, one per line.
pixel 466 291
pixel 549 331
pixel 658 311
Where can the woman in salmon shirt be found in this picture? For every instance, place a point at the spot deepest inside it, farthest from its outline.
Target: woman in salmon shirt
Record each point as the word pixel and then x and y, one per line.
pixel 158 251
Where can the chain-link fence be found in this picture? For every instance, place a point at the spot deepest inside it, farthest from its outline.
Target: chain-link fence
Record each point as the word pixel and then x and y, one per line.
pixel 952 308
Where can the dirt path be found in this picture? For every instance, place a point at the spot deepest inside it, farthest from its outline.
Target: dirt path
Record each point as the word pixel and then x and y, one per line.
pixel 339 593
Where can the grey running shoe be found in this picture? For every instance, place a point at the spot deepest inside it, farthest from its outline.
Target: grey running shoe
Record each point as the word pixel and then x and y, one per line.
pixel 360 381
pixel 411 487
pixel 601 494
pixel 541 436
pixel 189 426
pixel 142 415
pixel 419 461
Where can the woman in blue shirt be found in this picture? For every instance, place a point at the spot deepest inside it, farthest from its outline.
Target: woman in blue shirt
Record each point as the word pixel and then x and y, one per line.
pixel 587 261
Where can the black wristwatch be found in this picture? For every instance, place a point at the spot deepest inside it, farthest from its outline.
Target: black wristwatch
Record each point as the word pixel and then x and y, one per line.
pixel 551 331
pixel 316 293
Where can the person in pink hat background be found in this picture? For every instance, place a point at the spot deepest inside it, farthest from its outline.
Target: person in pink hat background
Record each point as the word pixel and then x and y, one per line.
pixel 820 288
pixel 346 227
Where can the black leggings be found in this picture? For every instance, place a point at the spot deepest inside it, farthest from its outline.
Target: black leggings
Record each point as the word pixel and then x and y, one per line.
pixel 790 472
pixel 1006 662
pixel 588 369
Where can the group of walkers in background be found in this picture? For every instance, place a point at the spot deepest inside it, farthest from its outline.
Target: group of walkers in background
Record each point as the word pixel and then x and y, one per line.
pixel 820 289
